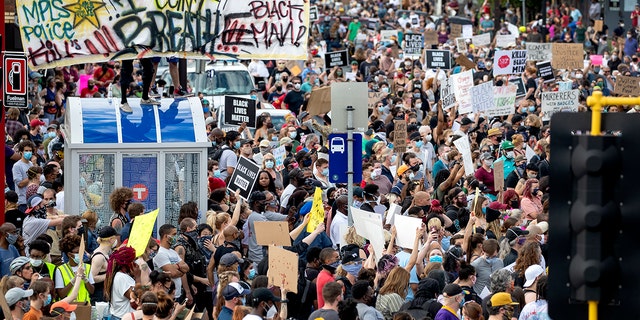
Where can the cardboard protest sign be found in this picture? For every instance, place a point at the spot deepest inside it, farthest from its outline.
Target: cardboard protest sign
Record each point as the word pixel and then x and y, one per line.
pixel 597 26
pixel 627 86
pixel 437 59
pixel 447 96
pixel 399 135
pixel 482 96
pixel 509 62
pixel 505 41
pixel 375 97
pixel 465 62
pixel 504 98
pixel 317 211
pixel 462 83
pixel 238 110
pixel 244 177
pixel 559 101
pixel 430 38
pixel 462 144
pixel 272 233
pixel 545 71
pixel 369 226
pixel 283 268
pixel 482 40
pixel 385 35
pixel 567 56
pixel 313 13
pixel 336 59
pixel 538 51
pixel 79 32
pixel 141 231
pixel 279 153
pixel 456 30
pixel 498 175
pixel 406 227
pixel 412 45
pixel 319 101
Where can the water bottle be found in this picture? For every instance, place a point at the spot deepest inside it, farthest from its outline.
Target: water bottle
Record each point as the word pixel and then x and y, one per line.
pixel 110 92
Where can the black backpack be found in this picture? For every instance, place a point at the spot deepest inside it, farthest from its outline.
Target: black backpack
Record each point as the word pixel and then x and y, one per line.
pixel 218 154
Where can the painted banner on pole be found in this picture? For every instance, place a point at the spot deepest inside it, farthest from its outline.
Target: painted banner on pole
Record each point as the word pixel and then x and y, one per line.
pixel 509 62
pixel 66 32
pixel 482 97
pixel 504 98
pixel 559 101
pixel 462 84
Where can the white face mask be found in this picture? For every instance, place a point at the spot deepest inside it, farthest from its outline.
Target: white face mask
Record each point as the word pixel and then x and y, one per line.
pixel 272 312
pixel 429 137
pixel 542 239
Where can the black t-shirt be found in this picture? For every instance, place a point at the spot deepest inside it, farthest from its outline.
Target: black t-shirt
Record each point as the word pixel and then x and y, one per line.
pixel 16 217
pixel 531 83
pixel 294 100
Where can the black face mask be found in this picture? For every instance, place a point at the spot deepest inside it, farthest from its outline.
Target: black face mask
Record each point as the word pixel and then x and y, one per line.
pixel 415 168
pixel 269 125
pixel 288 148
pixel 278 88
pixel 426 209
pixel 285 79
pixel 514 204
pixel 81 231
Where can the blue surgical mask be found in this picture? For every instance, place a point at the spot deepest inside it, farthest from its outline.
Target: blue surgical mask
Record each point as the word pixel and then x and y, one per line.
pixel 216 173
pixel 394 158
pixel 325 172
pixel 205 110
pixel 48 301
pixel 268 164
pixel 76 258
pixel 237 145
pixel 419 144
pixel 435 259
pixel 252 275
pixel 293 134
pixel 532 109
pixel 12 238
pixel 254 97
pixel 27 155
pixel 484 210
pixel 381 109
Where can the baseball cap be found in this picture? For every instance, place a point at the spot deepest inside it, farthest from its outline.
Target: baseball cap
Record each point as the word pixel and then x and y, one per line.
pixel 515 232
pixel 36 122
pixel 351 255
pixel 61 307
pixel 532 272
pixel 229 259
pixel 33 201
pixel 234 289
pixel 264 294
pixel 16 294
pixel 35 75
pixel 209 120
pixel 107 232
pixel 264 144
pixel 451 290
pixel 403 168
pixel 486 155
pixel 285 140
pixel 494 132
pixel 501 299
pixel 465 121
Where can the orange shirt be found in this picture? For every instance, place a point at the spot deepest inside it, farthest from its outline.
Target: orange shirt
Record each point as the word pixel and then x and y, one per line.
pixel 33 314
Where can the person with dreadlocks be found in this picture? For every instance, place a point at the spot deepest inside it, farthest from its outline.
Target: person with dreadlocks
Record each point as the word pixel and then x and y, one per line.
pixel 122 275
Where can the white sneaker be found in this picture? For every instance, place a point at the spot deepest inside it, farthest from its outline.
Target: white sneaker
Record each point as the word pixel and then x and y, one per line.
pixel 150 101
pixel 124 107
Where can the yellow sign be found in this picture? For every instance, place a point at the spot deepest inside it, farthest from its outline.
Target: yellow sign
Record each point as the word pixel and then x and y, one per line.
pixel 317 211
pixel 141 231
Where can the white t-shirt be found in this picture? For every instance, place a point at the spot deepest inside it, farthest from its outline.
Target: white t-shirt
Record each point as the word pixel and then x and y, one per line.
pixel 340 219
pixel 165 257
pixel 120 306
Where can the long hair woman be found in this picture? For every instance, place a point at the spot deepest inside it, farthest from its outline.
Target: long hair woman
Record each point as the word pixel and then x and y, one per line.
pixel 393 292
pixel 122 276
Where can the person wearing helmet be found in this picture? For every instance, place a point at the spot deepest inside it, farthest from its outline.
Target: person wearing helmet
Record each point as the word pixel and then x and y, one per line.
pixel 21 267
pixel 507 157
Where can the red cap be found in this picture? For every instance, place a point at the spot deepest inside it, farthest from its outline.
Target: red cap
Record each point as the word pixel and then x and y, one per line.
pixel 36 122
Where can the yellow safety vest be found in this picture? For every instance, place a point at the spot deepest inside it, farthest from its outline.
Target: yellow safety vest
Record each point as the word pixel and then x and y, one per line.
pixel 68 275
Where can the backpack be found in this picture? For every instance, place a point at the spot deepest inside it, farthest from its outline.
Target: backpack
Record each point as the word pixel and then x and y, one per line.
pixel 218 154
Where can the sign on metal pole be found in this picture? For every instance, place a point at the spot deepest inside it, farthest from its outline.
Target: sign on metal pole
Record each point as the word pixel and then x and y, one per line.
pixel 14 75
pixel 338 157
pixel 345 94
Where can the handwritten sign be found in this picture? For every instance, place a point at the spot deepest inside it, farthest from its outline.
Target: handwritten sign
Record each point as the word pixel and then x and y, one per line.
pixel 461 45
pixel 430 38
pixel 509 62
pixel 627 86
pixel 272 233
pixel 597 26
pixel 317 211
pixel 84 31
pixel 467 31
pixel 399 135
pixel 482 97
pixel 385 35
pixel 279 153
pixel 283 268
pixel 375 97
pixel 141 231
pixel 545 71
pixel 456 30
pixel 463 82
pixel 412 45
pixel 559 101
pixel 538 51
pixel 504 98
pixel 505 41
pixel 482 40
pixel 498 175
pixel 448 98
pixel 437 59
pixel 567 56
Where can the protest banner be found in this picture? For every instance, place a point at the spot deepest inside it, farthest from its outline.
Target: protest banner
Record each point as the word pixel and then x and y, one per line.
pixel 274 233
pixel 596 59
pixel 375 97
pixel 462 144
pixel 317 211
pixel 369 226
pixel 283 268
pixel 465 62
pixel 504 98
pixel 567 56
pixel 545 71
pixel 509 62
pixel 448 98
pixel 456 30
pixel 77 32
pixel 482 96
pixel 400 135
pixel 244 177
pixel 498 175
pixel 538 51
pixel 462 83
pixel 482 40
pixel 559 101
pixel 430 38
pixel 385 35
pixel 336 59
pixel 437 59
pixel 141 231
pixel 597 25
pixel 412 45
pixel 313 13
pixel 406 227
pixel 279 153
pixel 238 110
pixel 504 41
pixel 627 86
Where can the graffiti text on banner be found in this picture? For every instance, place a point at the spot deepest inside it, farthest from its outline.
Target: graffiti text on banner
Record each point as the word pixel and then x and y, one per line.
pixel 64 32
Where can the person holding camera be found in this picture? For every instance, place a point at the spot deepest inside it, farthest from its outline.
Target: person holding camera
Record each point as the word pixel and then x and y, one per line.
pixel 37 222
